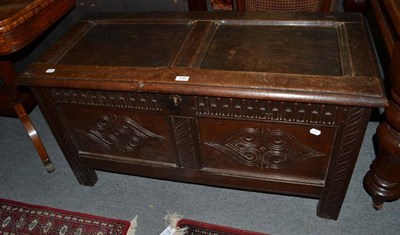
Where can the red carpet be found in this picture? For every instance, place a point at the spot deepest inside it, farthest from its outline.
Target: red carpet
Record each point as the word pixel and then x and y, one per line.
pixel 22 218
pixel 200 228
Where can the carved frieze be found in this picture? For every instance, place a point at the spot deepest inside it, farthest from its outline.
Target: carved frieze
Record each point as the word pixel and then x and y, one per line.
pixel 118 133
pixel 110 99
pixel 264 148
pixel 267 110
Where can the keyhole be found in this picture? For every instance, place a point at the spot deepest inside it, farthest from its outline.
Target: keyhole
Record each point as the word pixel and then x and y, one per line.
pixel 176 99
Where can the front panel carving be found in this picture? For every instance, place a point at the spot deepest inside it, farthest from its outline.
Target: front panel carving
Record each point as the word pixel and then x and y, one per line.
pixel 121 134
pixel 267 110
pixel 264 148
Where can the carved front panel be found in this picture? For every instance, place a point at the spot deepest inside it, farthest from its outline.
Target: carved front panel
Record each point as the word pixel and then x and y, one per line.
pixel 119 134
pixel 114 134
pixel 278 151
pixel 264 148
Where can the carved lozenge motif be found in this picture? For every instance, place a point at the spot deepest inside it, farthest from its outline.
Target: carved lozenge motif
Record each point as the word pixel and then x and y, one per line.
pixel 264 148
pixel 120 133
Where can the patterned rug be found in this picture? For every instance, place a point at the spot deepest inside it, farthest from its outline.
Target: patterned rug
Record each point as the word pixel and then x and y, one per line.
pixel 21 218
pixel 191 227
pixel 179 226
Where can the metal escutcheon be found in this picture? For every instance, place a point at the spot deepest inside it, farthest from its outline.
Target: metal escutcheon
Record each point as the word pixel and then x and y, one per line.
pixel 176 99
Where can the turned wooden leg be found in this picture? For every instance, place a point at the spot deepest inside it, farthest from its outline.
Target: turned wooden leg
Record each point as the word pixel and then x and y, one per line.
pixel 17 103
pixel 383 179
pixel 30 129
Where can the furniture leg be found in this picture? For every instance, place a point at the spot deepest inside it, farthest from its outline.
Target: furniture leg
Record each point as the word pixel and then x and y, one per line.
pixel 83 174
pixel 15 106
pixel 382 182
pixel 30 129
pixel 341 170
pixel 10 93
pixel 21 22
pixel 383 179
pixel 8 75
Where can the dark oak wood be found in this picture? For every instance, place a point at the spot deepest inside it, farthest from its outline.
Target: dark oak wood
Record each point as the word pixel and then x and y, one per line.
pixel 355 5
pixel 9 93
pixel 196 5
pixel 21 22
pixel 383 179
pixel 326 5
pixel 240 5
pixel 270 102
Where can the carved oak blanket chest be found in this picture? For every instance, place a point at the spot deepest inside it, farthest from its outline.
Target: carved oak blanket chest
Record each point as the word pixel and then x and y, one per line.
pixel 275 103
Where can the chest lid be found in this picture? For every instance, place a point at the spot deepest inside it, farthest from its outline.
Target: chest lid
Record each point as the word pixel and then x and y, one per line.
pixel 302 57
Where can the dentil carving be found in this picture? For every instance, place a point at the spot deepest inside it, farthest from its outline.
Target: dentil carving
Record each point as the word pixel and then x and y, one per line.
pixel 267 110
pixel 120 133
pixel 109 99
pixel 264 148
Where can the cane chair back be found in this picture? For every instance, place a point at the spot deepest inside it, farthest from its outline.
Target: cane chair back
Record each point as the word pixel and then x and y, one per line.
pixel 287 5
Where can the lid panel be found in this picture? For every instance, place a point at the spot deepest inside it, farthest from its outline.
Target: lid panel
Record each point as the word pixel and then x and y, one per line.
pixel 138 45
pixel 275 49
pixel 314 59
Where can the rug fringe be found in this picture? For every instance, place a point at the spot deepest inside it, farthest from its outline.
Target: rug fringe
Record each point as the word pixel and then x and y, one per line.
pixel 172 221
pixel 132 228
